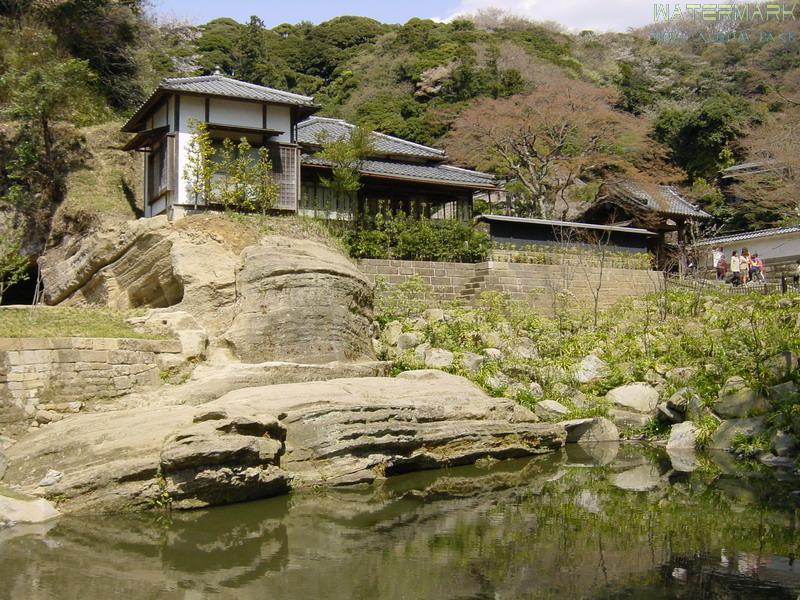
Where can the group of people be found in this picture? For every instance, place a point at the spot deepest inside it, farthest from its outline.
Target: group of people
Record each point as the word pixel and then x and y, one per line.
pixel 740 269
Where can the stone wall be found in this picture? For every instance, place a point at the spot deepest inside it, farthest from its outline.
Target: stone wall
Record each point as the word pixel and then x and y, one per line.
pixel 541 285
pixel 58 374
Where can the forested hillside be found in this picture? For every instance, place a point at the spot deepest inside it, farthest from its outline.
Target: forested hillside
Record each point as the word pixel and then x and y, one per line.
pixel 560 115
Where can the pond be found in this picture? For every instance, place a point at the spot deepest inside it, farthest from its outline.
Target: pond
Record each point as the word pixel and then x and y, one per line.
pixel 617 522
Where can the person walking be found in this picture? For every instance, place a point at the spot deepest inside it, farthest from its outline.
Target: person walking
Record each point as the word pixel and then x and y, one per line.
pixel 718 256
pixel 735 268
pixel 744 266
pixel 757 268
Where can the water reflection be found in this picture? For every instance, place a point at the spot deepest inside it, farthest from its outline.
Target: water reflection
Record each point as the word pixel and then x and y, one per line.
pixel 610 521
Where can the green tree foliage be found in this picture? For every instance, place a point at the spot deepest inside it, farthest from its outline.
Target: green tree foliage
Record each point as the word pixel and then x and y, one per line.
pixel 635 87
pixel 13 266
pixel 703 137
pixel 345 155
pixel 234 175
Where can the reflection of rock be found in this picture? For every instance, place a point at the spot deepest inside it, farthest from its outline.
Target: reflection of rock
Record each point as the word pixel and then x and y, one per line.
pixel 683 459
pixel 342 431
pixel 589 501
pixel 590 454
pixel 639 479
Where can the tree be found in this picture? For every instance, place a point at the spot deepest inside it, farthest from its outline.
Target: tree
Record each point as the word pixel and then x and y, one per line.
pixel 345 155
pixel 13 266
pixel 200 168
pixel 547 141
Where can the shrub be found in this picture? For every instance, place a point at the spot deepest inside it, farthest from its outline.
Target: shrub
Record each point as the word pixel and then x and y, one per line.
pixel 406 238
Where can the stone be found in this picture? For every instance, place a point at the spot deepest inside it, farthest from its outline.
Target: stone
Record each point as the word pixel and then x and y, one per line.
pixel 783 391
pixel 438 358
pixel 783 444
pixel 781 366
pixel 590 430
pixel 682 436
pixel 493 354
pixel 680 375
pixel 433 315
pixel 419 351
pixel 636 397
pixel 472 362
pixel 638 479
pixel 406 341
pixel 736 400
pixel 550 409
pixel 525 349
pixel 491 339
pixel 6 442
pixel 3 464
pixel 194 343
pixel 378 347
pixel 653 378
pixel 498 381
pixel 392 331
pixel 780 462
pixel 577 397
pixel 628 418
pixel 535 390
pixel 19 510
pixel 668 415
pixel 52 477
pixel 684 460
pixel 250 443
pixel 727 430
pixel 591 368
pixel 679 401
pixel 47 416
pixel 302 301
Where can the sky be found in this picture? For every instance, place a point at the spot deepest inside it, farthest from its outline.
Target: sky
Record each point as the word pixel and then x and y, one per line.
pixel 600 15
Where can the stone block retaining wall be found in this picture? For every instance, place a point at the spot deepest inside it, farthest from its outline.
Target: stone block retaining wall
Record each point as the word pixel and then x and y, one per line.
pixel 60 371
pixel 538 284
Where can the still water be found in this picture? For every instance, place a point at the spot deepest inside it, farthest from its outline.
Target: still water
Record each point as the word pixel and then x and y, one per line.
pixel 619 523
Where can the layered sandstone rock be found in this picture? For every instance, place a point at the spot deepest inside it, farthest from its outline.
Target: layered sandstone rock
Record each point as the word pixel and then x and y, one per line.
pixel 257 442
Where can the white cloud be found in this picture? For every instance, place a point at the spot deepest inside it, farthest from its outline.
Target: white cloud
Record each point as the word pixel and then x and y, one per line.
pixel 600 15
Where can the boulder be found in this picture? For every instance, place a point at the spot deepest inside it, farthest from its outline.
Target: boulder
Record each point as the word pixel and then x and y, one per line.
pixel 47 416
pixel 525 349
pixel 491 339
pixel 252 442
pixel 638 479
pixel 736 399
pixel 300 301
pixel 437 358
pixel 679 401
pixel 634 397
pixel 433 315
pixel 783 391
pixel 577 397
pixel 391 332
pixel 591 430
pixel 17 510
pixel 550 409
pixel 727 430
pixel 682 436
pixel 629 418
pixel 493 354
pixel 680 375
pixel 781 366
pixel 535 390
pixel 783 444
pixel 667 414
pixel 419 351
pixel 406 341
pixel 472 362
pixel 591 368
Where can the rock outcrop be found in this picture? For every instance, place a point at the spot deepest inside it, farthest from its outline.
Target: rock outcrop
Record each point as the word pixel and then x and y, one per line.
pixel 260 441
pixel 266 298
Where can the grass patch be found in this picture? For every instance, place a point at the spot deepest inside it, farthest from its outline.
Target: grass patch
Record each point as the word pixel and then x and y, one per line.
pixel 56 321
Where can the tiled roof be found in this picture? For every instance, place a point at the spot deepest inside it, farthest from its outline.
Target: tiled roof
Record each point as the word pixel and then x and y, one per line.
pixel 563 224
pixel 441 174
pixel 660 198
pixel 749 235
pixel 310 130
pixel 219 85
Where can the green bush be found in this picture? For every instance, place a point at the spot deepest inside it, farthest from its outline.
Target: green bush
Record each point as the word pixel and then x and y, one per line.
pixel 407 238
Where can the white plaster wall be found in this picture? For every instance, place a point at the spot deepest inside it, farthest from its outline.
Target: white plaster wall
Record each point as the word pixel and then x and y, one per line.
pixel 191 107
pixel 776 247
pixel 230 112
pixel 280 118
